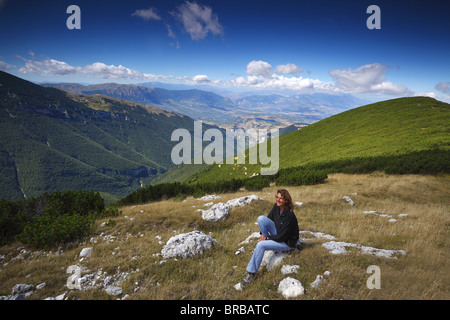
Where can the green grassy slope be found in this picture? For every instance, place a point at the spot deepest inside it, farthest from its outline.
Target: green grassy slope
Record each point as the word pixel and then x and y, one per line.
pixel 389 129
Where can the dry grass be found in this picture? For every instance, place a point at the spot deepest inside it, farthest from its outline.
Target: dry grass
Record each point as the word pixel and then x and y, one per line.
pixel 421 274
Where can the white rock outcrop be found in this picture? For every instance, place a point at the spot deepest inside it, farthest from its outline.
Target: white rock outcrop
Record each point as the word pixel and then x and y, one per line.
pixel 339 247
pixel 349 200
pixel 273 259
pixel 242 201
pixel 220 210
pixel 217 212
pixel 187 245
pixel 290 288
pixel 288 269
pixel 319 279
pixel 86 252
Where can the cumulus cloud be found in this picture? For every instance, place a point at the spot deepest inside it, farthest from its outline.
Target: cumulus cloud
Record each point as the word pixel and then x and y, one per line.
pixel 444 87
pixel 281 83
pixel 369 78
pixel 288 69
pixel 147 14
pixel 104 71
pixel 259 67
pixel 47 67
pixel 260 75
pixel 201 78
pixel 52 67
pixel 198 20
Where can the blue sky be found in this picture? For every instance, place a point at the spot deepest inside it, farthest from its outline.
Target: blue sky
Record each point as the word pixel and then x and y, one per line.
pixel 301 46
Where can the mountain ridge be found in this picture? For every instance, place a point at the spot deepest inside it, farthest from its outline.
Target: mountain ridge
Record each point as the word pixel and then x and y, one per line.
pixel 276 110
pixel 52 139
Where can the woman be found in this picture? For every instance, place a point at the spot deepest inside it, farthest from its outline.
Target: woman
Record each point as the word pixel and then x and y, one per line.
pixel 279 232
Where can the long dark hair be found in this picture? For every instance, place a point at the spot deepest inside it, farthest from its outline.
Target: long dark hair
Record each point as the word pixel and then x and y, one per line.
pixel 285 194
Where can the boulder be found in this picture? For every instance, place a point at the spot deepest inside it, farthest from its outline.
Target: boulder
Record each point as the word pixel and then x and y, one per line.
pixel 220 210
pixel 24 289
pixel 113 291
pixel 290 288
pixel 273 259
pixel 187 245
pixel 217 212
pixel 242 201
pixel 86 252
pixel 287 269
pixel 319 279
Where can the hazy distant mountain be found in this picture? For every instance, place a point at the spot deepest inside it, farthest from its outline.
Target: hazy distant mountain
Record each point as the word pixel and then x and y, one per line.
pixel 243 110
pixel 197 104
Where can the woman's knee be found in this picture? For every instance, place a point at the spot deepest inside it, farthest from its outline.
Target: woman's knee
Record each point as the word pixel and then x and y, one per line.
pixel 261 219
pixel 260 246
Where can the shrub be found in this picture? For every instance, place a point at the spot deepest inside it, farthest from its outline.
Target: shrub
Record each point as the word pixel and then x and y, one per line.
pixel 47 230
pixel 52 219
pixel 11 221
pixel 300 176
pixel 257 183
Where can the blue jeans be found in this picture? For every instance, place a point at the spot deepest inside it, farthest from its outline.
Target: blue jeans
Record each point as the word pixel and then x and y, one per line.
pixel 267 227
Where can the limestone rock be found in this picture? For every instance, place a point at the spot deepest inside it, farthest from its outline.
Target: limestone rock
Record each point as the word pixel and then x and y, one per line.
pixel 290 288
pixel 217 212
pixel 86 252
pixel 187 245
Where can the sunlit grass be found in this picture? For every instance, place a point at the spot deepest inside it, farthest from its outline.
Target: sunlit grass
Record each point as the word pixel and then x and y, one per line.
pixel 420 274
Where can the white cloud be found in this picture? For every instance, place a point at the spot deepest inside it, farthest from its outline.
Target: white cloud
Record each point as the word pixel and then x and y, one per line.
pixel 47 67
pixel 258 67
pixel 276 82
pixel 104 71
pixel 5 66
pixel 369 78
pixel 444 87
pixel 198 20
pixel 201 78
pixel 261 75
pixel 147 14
pixel 52 67
pixel 426 94
pixel 288 69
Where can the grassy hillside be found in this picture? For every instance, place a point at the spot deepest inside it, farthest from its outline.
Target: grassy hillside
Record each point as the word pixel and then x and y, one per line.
pixel 126 248
pixel 384 135
pixel 55 140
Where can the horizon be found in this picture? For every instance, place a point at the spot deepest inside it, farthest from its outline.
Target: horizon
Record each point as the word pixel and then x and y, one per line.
pixel 265 46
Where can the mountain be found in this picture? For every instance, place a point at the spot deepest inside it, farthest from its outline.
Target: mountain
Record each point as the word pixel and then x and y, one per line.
pixel 55 140
pixel 399 135
pixel 242 110
pixel 197 104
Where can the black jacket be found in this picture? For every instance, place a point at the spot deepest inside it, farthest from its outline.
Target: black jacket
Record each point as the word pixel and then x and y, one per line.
pixel 286 225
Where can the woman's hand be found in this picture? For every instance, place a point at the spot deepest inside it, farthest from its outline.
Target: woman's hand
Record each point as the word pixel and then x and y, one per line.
pixel 262 237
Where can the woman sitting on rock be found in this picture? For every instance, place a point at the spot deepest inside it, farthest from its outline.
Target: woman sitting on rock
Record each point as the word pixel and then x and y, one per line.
pixel 279 232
